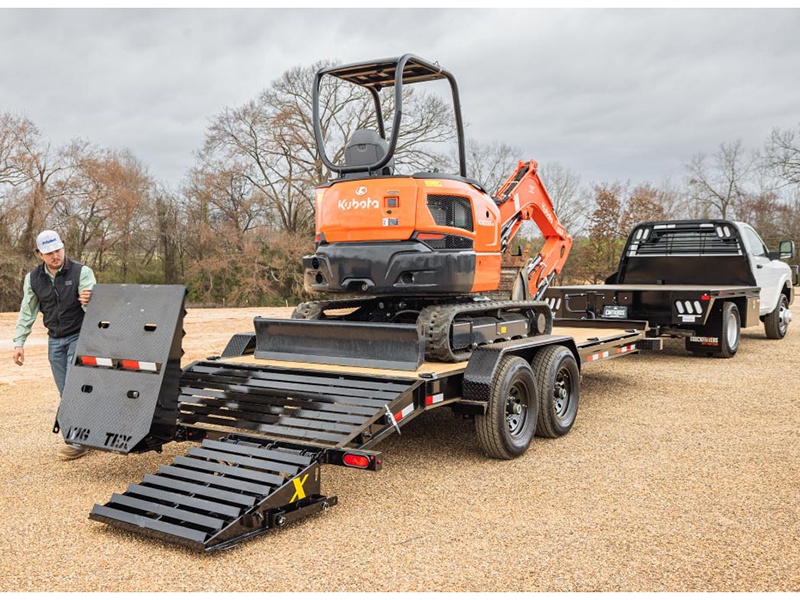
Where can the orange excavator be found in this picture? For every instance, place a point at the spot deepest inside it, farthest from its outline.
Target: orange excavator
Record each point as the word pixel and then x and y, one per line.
pixel 425 248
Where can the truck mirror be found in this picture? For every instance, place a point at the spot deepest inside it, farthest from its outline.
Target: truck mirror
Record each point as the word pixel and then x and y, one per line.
pixel 786 250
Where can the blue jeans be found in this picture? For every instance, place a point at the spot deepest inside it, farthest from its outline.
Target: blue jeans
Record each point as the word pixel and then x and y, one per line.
pixel 60 352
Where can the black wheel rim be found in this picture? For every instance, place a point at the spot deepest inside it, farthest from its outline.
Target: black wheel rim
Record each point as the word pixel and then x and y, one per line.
pixel 562 393
pixel 517 408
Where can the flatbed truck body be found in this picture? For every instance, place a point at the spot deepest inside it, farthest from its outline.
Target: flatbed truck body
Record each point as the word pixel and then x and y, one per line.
pixel 266 425
pixel 699 280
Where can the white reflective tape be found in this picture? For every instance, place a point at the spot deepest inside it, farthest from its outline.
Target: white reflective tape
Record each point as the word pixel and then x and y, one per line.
pixel 104 362
pixel 147 366
pixel 405 412
pixel 435 398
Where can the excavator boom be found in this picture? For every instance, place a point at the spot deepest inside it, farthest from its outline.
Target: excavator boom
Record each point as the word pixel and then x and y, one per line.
pixel 521 198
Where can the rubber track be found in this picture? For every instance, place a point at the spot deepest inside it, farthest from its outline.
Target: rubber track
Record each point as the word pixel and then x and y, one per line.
pixel 437 319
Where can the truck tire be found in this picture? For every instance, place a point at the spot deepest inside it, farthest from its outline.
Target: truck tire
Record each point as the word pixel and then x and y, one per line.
pixel 508 427
pixel 558 378
pixel 776 323
pixel 730 331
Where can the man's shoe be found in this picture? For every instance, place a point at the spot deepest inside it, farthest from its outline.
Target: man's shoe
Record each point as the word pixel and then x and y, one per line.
pixel 71 452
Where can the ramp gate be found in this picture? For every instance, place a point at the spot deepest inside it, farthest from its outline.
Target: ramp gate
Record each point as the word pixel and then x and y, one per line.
pixel 241 485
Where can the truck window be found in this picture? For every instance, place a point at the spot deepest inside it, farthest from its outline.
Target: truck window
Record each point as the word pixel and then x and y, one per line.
pixel 757 247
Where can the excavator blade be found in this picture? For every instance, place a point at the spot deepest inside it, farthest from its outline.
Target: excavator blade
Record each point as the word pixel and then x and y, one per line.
pixel 397 346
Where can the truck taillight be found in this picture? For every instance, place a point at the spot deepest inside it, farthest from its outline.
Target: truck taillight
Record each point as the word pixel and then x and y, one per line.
pixel 705 297
pixel 359 461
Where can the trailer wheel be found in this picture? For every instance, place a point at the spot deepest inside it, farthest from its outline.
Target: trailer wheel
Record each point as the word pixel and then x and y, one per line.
pixel 776 323
pixel 559 381
pixel 507 428
pixel 729 331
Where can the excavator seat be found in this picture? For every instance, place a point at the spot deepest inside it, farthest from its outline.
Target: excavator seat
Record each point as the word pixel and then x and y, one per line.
pixel 365 148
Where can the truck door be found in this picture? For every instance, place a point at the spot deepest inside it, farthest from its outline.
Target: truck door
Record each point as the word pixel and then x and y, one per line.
pixel 767 272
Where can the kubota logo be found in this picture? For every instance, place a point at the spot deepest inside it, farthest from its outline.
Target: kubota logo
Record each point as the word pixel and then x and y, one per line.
pixel 358 204
pixel 361 191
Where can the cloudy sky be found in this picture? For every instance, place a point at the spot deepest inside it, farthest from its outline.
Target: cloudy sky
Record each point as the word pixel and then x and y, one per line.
pixel 612 94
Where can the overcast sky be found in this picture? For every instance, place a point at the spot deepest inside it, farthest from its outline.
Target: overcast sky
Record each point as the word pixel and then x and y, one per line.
pixel 611 94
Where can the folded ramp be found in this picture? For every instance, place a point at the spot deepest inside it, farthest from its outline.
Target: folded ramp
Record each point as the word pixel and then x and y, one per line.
pixel 273 430
pixel 220 494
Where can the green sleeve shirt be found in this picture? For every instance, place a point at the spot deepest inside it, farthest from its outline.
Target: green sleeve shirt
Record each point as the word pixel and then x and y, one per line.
pixel 29 309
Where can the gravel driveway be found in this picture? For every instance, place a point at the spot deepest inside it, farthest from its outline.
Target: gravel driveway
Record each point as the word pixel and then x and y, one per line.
pixel 681 474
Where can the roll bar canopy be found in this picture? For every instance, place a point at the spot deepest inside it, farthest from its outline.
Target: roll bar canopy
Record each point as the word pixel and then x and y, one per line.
pixel 374 76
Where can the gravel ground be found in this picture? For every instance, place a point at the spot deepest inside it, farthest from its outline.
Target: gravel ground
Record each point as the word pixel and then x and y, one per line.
pixel 680 474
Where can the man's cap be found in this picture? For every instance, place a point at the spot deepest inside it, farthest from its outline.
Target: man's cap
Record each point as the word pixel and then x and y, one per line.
pixel 48 241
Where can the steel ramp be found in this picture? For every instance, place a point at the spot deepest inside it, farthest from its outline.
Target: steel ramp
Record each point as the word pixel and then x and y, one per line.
pixel 220 494
pixel 317 408
pixel 267 431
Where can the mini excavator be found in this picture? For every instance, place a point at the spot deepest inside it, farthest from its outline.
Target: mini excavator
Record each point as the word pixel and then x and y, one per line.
pixel 425 248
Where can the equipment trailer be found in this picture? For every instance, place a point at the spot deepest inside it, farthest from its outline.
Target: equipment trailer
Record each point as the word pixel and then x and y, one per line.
pixel 266 425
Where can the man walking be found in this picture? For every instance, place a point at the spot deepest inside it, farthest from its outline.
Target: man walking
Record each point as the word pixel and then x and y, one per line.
pixel 60 288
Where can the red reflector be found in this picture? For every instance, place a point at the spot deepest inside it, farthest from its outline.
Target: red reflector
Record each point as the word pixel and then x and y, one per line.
pixel 356 460
pixel 430 236
pixel 130 364
pixel 705 297
pixel 88 360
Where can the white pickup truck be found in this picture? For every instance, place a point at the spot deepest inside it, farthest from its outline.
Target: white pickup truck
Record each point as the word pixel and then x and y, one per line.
pixel 702 280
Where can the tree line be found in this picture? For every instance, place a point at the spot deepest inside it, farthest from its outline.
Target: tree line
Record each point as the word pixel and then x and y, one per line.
pixel 235 230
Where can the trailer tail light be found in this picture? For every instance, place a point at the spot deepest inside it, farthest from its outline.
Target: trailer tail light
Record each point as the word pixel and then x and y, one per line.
pixel 358 461
pixel 705 297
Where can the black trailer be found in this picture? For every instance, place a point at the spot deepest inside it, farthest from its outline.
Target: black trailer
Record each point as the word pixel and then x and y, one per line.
pixel 265 425
pixel 699 280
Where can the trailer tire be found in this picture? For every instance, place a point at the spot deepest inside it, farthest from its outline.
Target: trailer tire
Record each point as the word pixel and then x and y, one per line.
pixel 508 427
pixel 558 378
pixel 730 331
pixel 776 323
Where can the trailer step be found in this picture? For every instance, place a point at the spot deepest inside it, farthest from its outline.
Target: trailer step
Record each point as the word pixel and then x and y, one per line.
pixel 219 494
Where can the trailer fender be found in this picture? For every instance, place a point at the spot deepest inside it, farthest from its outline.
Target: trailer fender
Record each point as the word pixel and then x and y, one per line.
pixel 482 367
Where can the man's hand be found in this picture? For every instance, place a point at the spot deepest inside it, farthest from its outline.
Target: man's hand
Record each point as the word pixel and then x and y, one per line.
pixel 84 296
pixel 19 355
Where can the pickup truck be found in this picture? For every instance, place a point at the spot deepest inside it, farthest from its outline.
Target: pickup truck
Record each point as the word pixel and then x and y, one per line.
pixel 702 280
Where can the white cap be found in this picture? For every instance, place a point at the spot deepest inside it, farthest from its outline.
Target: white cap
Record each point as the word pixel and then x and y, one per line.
pixel 48 241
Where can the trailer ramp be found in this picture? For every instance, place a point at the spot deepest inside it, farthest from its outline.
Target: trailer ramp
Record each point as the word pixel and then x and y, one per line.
pixel 267 431
pixel 219 494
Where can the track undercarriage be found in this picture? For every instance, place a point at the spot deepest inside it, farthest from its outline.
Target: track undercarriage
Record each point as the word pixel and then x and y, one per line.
pixel 451 327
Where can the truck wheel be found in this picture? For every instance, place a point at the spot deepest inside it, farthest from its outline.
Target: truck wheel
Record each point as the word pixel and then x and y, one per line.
pixel 729 332
pixel 776 323
pixel 507 428
pixel 559 381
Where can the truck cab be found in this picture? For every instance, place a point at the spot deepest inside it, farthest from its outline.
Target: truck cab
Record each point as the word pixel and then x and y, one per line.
pixel 771 274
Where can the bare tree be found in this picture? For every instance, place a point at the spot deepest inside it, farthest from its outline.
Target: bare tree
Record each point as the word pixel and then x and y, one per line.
pixel 783 155
pixel 570 202
pixel 715 186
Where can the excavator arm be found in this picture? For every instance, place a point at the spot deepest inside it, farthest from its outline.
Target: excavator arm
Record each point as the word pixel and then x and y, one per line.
pixel 523 197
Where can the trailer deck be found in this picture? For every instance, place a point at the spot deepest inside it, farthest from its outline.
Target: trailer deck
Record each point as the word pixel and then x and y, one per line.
pixel 266 426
